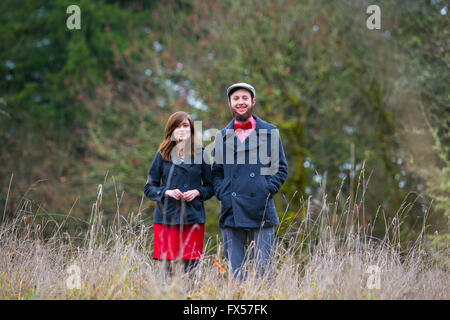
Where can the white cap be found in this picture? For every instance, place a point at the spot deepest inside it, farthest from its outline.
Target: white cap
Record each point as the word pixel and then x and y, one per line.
pixel 240 85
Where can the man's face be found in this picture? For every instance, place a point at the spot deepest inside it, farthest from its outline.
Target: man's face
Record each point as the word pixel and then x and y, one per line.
pixel 241 104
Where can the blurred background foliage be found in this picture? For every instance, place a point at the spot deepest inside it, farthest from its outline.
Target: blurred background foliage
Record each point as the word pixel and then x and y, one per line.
pixel 85 107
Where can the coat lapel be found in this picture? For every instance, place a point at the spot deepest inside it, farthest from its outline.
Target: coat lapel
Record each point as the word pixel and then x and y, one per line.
pixel 185 165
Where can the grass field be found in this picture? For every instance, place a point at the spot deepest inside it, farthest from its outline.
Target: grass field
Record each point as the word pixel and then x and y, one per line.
pixel 327 254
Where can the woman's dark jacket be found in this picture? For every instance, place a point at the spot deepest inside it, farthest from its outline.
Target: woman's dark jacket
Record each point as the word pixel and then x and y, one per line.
pixel 195 173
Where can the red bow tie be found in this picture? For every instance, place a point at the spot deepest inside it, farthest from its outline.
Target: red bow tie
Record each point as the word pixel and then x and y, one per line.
pixel 247 125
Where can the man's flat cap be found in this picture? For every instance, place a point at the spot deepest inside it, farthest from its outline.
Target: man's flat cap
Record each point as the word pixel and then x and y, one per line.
pixel 240 85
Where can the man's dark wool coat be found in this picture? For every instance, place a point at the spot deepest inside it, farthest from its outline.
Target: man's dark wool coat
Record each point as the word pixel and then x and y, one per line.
pixel 246 194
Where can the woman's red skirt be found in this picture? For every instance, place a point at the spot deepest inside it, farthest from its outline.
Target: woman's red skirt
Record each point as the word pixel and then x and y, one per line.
pixel 178 241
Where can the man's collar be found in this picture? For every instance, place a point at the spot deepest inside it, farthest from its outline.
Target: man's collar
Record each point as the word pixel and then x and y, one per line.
pixel 260 124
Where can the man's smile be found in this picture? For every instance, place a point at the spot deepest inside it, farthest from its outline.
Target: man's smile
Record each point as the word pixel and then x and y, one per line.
pixel 241 108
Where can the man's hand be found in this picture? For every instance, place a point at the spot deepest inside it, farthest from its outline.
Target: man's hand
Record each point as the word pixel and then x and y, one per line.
pixel 190 195
pixel 175 193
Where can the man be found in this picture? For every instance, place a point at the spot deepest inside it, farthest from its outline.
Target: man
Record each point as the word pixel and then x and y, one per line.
pixel 249 168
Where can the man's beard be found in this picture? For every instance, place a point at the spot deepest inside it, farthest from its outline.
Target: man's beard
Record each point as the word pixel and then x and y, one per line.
pixel 244 116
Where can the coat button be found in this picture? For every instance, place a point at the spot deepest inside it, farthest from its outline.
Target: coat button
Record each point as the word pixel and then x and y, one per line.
pixel 158 192
pixel 186 172
pixel 252 174
pixel 185 185
pixel 174 173
pixel 233 194
pixel 252 194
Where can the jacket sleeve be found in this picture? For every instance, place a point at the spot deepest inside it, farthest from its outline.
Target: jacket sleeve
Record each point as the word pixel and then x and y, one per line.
pixel 152 189
pixel 206 189
pixel 217 167
pixel 276 180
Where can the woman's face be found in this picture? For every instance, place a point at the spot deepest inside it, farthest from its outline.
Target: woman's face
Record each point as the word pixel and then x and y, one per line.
pixel 183 131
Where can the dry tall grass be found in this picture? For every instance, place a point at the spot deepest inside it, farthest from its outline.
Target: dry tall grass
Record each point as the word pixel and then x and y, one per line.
pixel 324 256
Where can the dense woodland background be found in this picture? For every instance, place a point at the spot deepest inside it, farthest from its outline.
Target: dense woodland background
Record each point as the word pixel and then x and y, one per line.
pixel 79 108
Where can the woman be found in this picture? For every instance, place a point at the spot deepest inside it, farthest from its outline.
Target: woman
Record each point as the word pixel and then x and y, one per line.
pixel 179 180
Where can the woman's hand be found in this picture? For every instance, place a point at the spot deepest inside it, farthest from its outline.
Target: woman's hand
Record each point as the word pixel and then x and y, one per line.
pixel 190 195
pixel 175 193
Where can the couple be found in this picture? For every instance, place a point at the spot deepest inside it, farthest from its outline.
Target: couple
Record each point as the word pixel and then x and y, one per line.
pixel 242 177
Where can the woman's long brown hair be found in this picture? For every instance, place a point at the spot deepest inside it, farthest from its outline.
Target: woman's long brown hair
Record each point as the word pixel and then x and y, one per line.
pixel 165 148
